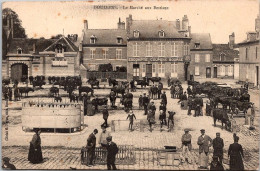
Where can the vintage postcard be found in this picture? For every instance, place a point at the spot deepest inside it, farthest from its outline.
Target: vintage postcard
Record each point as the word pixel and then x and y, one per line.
pixel 130 85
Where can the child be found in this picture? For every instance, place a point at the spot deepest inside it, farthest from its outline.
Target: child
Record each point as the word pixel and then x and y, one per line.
pixel 140 101
pixel 131 117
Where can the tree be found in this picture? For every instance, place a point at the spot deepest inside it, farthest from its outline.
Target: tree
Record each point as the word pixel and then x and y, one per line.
pixel 57 36
pixel 18 30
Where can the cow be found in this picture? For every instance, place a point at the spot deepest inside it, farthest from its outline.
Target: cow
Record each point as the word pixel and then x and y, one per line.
pixel 245 97
pixel 93 83
pixel 112 81
pixel 25 90
pixel 118 90
pixel 57 98
pixel 99 102
pixel 54 91
pixel 38 82
pixel 6 81
pixel 86 89
pixel 173 81
pixel 154 79
pixel 143 83
pixel 74 98
pixel 221 114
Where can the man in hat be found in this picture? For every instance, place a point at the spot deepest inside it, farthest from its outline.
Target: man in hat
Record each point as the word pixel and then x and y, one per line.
pixel 160 87
pixel 112 150
pixel 91 145
pixel 145 103
pixel 186 146
pixel 218 145
pixel 105 116
pixel 164 98
pixel 140 102
pixel 204 142
pixel 152 107
pixel 6 165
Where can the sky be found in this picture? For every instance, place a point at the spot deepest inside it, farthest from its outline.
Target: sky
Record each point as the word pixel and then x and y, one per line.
pixel 218 17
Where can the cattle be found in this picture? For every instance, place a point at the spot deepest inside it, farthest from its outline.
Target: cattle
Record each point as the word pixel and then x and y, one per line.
pixel 6 81
pixel 99 102
pixel 245 97
pixel 142 83
pixel 173 81
pixel 118 90
pixel 25 90
pixel 86 89
pixel 38 82
pixel 112 81
pixel 74 98
pixel 240 106
pixel 57 98
pixel 54 91
pixel 93 83
pixel 221 115
pixel 154 79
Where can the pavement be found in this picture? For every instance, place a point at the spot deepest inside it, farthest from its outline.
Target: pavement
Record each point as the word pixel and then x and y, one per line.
pixel 62 151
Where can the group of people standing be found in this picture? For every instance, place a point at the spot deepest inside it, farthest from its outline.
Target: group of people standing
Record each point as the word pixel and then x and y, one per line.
pixel 235 151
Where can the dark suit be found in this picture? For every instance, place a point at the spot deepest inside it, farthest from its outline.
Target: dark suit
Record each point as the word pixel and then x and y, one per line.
pixel 235 152
pixel 218 145
pixel 145 104
pixel 112 150
pixel 91 145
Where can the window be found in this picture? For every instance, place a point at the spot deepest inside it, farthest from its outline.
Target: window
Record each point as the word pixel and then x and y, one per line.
pixel 136 33
pixel 143 70
pixel 222 57
pixel 161 69
pixel 197 57
pixel 136 70
pixel 118 53
pixel 153 70
pixel 197 70
pixel 104 53
pixel 59 62
pixel 119 40
pixel 161 33
pixel 207 58
pixel 149 49
pixel 19 51
pixel 246 53
pixel 92 53
pixel 230 70
pixel 136 50
pixel 174 69
pixel 197 45
pixel 222 70
pixel 174 49
pixel 161 50
pixel 93 39
pixel 186 49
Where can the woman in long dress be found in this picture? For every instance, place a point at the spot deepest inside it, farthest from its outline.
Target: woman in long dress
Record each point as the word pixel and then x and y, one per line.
pixel 35 151
pixel 235 152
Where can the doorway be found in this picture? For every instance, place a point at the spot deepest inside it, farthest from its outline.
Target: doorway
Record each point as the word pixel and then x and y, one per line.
pixel 149 70
pixel 257 76
pixel 19 72
pixel 208 72
pixel 215 74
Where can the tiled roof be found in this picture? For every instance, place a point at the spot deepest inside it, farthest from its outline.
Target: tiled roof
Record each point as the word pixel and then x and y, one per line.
pixel 230 54
pixel 104 36
pixel 70 46
pixel 203 39
pixel 27 45
pixel 151 28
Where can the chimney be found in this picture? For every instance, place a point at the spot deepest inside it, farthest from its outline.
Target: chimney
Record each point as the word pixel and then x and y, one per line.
pixel 189 31
pixel 85 24
pixel 128 23
pixel 12 27
pixel 257 23
pixel 178 24
pixel 185 22
pixel 34 48
pixel 120 25
pixel 231 40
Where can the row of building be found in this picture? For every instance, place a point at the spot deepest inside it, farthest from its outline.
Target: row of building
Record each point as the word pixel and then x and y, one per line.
pixel 146 48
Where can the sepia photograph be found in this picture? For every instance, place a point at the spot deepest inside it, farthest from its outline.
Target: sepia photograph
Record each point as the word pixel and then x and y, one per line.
pixel 130 85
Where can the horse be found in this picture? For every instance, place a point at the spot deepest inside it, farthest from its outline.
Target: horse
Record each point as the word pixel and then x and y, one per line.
pixel 93 83
pixel 86 89
pixel 112 81
pixel 99 102
pixel 155 79
pixel 118 90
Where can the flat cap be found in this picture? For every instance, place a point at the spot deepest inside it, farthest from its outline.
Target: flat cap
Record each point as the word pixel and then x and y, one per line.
pixel 202 130
pixel 109 138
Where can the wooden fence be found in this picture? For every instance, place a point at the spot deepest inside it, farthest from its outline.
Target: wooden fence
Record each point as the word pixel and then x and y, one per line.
pixel 103 75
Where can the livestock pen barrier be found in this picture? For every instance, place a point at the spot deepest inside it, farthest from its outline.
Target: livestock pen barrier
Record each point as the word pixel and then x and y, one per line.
pixel 105 75
pixel 142 157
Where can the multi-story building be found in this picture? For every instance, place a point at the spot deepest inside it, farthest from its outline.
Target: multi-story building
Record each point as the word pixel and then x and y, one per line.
pixel 103 46
pixel 46 57
pixel 201 52
pixel 249 58
pixel 157 48
pixel 224 59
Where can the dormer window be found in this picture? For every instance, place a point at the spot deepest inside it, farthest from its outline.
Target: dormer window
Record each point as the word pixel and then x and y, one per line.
pixel 161 33
pixel 222 57
pixel 93 39
pixel 19 51
pixel 119 40
pixel 197 45
pixel 59 48
pixel 136 33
